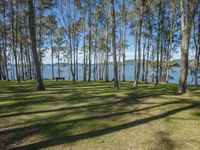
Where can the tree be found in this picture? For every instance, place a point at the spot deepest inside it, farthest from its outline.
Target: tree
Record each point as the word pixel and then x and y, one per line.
pixel 90 38
pixel 5 65
pixel 124 14
pixel 186 24
pixel 40 85
pixel 140 7
pixel 116 84
pixel 196 38
pixel 158 43
pixel 107 47
pixel 148 45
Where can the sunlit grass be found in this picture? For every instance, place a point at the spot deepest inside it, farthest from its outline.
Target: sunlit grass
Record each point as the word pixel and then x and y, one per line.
pixel 84 115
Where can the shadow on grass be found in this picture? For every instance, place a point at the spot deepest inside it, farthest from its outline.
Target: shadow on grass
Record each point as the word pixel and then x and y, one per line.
pixel 117 107
pixel 23 99
pixel 95 133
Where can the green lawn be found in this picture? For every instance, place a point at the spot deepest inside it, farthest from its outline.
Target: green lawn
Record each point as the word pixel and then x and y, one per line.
pixel 93 116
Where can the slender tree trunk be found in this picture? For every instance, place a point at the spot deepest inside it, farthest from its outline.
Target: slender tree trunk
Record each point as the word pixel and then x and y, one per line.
pixel 143 61
pixel 40 85
pixel 71 64
pixel 30 64
pixel 15 44
pixel 162 45
pixel 21 50
pixel 139 50
pixel 84 54
pixel 148 51
pixel 197 48
pixel 68 65
pixel 186 23
pixel 107 48
pixel 103 66
pixel 99 66
pixel 168 66
pixel 90 38
pixel 124 42
pixel 95 73
pixel 52 53
pixel 135 61
pixel 1 73
pixel 158 46
pixel 74 52
pixel 59 61
pixel 6 76
pixel 26 64
pixel 77 44
pixel 153 70
pixel 116 84
pixel 120 49
pixel 22 60
pixel 170 37
pixel 27 49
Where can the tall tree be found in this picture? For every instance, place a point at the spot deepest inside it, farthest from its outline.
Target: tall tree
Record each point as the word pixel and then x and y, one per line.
pixel 148 46
pixel 158 43
pixel 40 85
pixel 124 14
pixel 90 41
pixel 116 84
pixel 107 47
pixel 186 24
pixel 5 65
pixel 196 38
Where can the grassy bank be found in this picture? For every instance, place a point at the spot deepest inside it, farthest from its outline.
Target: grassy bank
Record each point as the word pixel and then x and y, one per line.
pixel 94 116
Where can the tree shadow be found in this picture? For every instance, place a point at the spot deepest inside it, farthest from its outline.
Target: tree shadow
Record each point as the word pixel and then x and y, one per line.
pixel 95 133
pixel 95 107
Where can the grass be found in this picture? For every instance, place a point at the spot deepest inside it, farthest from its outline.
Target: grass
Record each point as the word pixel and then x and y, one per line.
pixel 93 116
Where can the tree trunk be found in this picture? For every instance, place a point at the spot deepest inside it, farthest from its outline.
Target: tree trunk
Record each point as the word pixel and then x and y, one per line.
pixel 59 61
pixel 71 67
pixel 186 23
pixel 77 44
pixel 124 42
pixel 172 7
pixel 84 53
pixel 139 49
pixel 107 48
pixel 6 76
pixel 52 53
pixel 120 49
pixel 158 46
pixel 1 73
pixel 135 61
pixel 90 38
pixel 197 48
pixel 143 60
pixel 148 51
pixel 40 85
pixel 161 46
pixel 116 84
pixel 22 61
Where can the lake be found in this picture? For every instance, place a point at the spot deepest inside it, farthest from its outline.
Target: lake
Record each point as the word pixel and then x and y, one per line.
pixel 129 75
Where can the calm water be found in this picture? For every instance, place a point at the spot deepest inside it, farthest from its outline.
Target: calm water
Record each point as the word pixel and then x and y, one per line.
pixel 129 75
